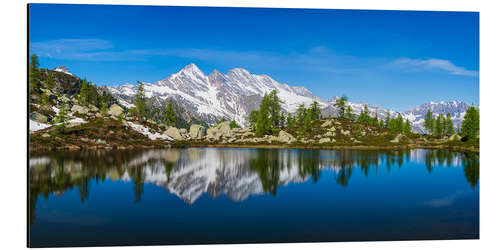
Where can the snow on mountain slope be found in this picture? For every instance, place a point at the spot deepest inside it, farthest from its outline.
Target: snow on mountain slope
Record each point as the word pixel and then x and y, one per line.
pixel 235 94
pixel 63 69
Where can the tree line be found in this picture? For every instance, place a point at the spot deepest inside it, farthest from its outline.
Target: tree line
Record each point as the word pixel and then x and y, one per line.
pixel 444 125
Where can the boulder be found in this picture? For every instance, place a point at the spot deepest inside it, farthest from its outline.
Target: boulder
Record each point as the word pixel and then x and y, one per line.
pixel 248 134
pixel 345 132
pixel 332 129
pixel 183 131
pixel 35 116
pixel 197 131
pixel 328 123
pixel 212 134
pixel 285 137
pixel 115 110
pixel 329 134
pixel 221 130
pixel 79 109
pixel 174 133
pixel 324 140
pixel 93 108
pixel 455 137
pixel 397 138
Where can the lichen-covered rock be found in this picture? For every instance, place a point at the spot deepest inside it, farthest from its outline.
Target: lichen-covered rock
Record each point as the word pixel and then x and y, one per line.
pixel 327 124
pixel 37 117
pixel 330 134
pixel 196 131
pixel 332 129
pixel 79 109
pixel 286 137
pixel 345 132
pixel 174 133
pixel 324 140
pixel 221 130
pixel 397 138
pixel 115 110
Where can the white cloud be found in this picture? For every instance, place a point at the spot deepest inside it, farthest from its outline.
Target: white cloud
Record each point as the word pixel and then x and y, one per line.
pixel 432 63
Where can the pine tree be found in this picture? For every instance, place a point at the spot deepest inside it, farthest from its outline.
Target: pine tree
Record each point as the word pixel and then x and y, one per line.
pixel 348 113
pixel 438 127
pixel 34 73
pixel 387 119
pixel 49 80
pixel 449 125
pixel 252 118
pixel 470 125
pixel 315 111
pixel 290 121
pixel 84 92
pixel 264 122
pixel 340 103
pixel 429 122
pixel 301 113
pixel 169 117
pixel 274 109
pixel 407 127
pixel 140 100
pixel 104 107
pixel 399 123
pixel 62 116
pixel 44 100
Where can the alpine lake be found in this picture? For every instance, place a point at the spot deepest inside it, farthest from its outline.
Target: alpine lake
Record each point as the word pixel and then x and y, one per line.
pixel 242 195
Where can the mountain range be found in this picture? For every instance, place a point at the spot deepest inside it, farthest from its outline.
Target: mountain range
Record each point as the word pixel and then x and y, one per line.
pixel 235 94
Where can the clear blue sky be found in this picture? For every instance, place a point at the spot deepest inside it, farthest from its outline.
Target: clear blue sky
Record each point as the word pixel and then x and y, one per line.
pixel 395 59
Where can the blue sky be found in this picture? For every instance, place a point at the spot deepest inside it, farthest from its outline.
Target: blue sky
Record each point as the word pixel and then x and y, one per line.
pixel 394 59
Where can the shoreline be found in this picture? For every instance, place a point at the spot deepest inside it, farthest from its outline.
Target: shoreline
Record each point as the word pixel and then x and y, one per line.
pixel 72 148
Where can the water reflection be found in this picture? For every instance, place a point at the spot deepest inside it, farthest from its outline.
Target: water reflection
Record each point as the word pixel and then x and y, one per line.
pixel 237 173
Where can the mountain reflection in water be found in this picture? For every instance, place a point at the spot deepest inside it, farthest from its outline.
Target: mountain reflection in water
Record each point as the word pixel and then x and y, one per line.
pixel 237 173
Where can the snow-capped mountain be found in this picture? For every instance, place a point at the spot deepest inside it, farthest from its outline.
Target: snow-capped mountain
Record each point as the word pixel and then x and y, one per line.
pixel 63 69
pixel 235 94
pixel 416 115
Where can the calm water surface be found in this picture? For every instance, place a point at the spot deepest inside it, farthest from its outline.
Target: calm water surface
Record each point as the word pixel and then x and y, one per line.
pixel 210 195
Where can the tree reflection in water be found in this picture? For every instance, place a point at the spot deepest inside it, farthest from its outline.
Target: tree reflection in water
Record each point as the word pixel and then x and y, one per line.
pixel 236 172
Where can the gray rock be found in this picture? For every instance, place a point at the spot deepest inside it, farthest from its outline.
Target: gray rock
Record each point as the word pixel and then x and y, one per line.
pixel 329 134
pixel 183 131
pixel 221 130
pixel 196 131
pixel 115 110
pixel 35 116
pixel 397 138
pixel 345 132
pixel 286 137
pixel 45 135
pixel 332 129
pixel 79 109
pixel 328 123
pixel 174 133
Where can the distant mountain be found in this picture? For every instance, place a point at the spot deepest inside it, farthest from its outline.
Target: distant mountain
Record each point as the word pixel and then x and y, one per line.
pixel 235 94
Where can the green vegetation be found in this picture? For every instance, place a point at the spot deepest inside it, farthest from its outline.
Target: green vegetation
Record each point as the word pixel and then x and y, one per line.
pixel 470 125
pixel 34 73
pixel 233 124
pixel 169 117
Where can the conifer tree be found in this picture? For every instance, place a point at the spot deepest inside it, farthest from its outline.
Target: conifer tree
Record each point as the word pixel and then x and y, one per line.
pixel 349 113
pixel 301 113
pixel 438 127
pixel 84 92
pixel 407 127
pixel 264 123
pixel 104 107
pixel 399 123
pixel 34 73
pixel 429 122
pixel 315 111
pixel 233 124
pixel 470 125
pixel 44 100
pixel 290 121
pixel 62 116
pixel 252 118
pixel 140 100
pixel 169 118
pixel 449 125
pixel 340 103
pixel 387 119
pixel 50 80
pixel 274 108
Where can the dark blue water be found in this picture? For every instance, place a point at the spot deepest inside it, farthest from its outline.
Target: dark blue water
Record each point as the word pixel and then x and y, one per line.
pixel 197 195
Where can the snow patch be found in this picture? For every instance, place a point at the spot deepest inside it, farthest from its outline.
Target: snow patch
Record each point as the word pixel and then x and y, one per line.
pixel 145 131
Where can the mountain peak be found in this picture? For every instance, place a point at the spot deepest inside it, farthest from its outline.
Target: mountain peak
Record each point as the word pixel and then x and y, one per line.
pixel 62 69
pixel 192 69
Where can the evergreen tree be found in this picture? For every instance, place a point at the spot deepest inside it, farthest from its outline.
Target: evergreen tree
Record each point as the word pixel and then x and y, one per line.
pixel 387 119
pixel 264 123
pixel 438 125
pixel 233 124
pixel 349 113
pixel 340 103
pixel 364 116
pixel 290 121
pixel 140 100
pixel 104 107
pixel 44 100
pixel 84 92
pixel 399 123
pixel 449 125
pixel 315 111
pixel 252 118
pixel 470 125
pixel 49 80
pixel 429 122
pixel 169 117
pixel 34 73
pixel 62 116
pixel 407 127
pixel 274 105
pixel 301 113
